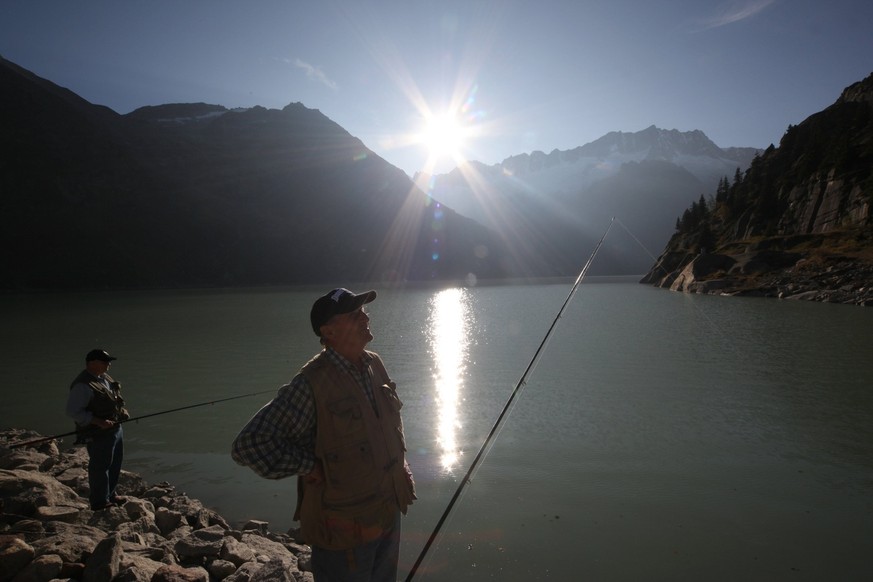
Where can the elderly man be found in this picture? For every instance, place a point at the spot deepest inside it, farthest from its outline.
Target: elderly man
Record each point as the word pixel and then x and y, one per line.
pixel 337 426
pixel 96 405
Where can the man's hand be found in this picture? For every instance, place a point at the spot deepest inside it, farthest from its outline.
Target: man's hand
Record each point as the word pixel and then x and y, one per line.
pixel 102 423
pixel 316 476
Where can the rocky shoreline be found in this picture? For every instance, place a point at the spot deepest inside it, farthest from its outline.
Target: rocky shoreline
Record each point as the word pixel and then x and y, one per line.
pixel 49 533
pixel 783 275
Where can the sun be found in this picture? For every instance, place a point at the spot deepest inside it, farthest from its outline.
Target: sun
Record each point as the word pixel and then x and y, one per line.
pixel 444 136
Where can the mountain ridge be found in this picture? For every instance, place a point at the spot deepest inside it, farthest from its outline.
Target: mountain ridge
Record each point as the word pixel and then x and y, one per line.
pixel 250 197
pixel 644 178
pixel 195 194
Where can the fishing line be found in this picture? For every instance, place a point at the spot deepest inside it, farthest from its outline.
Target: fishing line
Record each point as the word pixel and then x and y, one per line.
pixel 137 418
pixel 639 242
pixel 697 308
pixel 509 403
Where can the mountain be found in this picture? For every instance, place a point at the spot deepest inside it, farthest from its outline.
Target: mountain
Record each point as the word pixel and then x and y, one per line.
pixel 796 224
pixel 561 202
pixel 189 195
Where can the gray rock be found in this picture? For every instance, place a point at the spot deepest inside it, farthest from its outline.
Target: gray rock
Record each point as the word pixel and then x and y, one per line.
pixel 30 529
pixel 104 563
pixel 236 552
pixel 220 569
pixel 257 525
pixel 134 574
pixel 180 533
pixel 136 531
pixel 42 568
pixel 210 534
pixel 20 458
pixel 168 520
pixel 15 554
pixel 261 546
pixel 23 492
pixel 244 573
pixel 170 573
pixel 108 519
pixel 58 513
pixel 137 508
pixel 70 541
pixel 72 477
pixel 193 547
pixel 276 570
pixel 137 568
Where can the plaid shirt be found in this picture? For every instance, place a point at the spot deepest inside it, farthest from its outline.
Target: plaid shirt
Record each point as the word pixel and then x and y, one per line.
pixel 279 440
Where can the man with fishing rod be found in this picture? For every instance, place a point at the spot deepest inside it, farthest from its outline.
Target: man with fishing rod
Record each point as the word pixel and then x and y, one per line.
pixel 337 426
pixel 96 405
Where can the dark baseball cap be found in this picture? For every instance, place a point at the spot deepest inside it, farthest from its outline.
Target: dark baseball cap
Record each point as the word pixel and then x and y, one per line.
pixel 101 355
pixel 337 301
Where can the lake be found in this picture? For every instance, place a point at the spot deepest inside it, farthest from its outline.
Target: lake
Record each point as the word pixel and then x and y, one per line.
pixel 660 436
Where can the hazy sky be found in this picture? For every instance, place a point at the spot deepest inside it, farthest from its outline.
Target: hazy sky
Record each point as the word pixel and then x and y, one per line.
pixel 521 76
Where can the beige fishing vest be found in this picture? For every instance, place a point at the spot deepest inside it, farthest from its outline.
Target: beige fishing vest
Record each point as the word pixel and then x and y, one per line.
pixel 363 458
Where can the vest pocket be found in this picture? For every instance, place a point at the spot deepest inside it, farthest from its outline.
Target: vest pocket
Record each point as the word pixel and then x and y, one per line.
pixel 390 391
pixel 394 406
pixel 347 469
pixel 346 415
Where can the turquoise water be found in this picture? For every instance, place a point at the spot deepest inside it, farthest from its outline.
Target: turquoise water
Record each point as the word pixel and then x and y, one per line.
pixel 660 436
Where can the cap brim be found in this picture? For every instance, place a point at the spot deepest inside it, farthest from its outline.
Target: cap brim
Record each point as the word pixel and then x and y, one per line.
pixel 368 296
pixel 358 300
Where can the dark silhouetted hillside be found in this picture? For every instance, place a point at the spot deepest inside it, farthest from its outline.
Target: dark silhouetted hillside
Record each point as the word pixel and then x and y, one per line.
pixel 197 195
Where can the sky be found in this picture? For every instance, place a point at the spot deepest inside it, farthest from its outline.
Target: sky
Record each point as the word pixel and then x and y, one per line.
pixel 428 84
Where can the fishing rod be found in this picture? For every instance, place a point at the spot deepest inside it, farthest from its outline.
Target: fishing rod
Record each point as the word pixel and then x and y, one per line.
pixel 57 436
pixel 506 408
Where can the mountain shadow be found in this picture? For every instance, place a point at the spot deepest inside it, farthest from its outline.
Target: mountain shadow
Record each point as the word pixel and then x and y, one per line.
pixel 193 195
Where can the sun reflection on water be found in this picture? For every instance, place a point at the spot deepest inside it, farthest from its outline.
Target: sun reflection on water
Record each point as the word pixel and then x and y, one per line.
pixel 448 328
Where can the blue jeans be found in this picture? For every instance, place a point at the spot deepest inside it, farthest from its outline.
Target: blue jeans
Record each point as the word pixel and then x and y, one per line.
pixel 105 454
pixel 375 561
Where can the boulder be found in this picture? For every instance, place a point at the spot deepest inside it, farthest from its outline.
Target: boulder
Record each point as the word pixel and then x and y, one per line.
pixel 276 570
pixel 236 552
pixel 245 572
pixel 220 569
pixel 22 492
pixel 168 520
pixel 72 542
pixel 104 563
pixel 42 568
pixel 171 573
pixel 15 554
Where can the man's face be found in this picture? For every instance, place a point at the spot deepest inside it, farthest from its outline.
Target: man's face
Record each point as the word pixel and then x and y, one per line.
pixel 348 330
pixel 98 367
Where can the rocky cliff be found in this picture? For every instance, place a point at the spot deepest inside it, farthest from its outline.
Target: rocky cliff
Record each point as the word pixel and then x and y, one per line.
pixel 796 224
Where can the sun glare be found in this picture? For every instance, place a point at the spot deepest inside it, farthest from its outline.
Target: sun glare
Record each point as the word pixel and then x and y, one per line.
pixel 448 329
pixel 444 136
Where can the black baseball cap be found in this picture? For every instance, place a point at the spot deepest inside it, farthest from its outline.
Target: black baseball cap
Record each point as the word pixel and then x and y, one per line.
pixel 337 301
pixel 101 355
